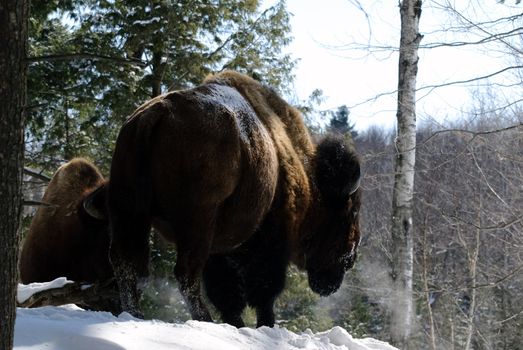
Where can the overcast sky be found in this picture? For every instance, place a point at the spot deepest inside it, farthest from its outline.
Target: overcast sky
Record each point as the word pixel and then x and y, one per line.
pixel 351 77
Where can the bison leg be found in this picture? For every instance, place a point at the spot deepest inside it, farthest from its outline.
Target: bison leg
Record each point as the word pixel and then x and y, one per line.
pixel 265 282
pixel 188 272
pixel 129 255
pixel 267 254
pixel 194 229
pixel 225 288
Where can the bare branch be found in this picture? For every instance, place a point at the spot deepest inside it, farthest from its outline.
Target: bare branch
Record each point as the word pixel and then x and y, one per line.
pixel 473 133
pixel 481 28
pixel 31 203
pixel 85 55
pixel 457 82
pixel 494 37
pixel 498 226
pixel 511 317
pixel 436 86
pixel 495 283
pixel 37 175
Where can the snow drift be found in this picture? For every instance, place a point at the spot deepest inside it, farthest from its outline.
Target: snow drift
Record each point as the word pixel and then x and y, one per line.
pixel 71 328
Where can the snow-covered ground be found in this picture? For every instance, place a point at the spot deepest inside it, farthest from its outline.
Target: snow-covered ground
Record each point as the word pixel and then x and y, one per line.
pixel 71 328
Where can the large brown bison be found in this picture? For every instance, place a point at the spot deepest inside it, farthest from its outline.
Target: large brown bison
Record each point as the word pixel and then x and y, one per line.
pixel 65 240
pixel 228 172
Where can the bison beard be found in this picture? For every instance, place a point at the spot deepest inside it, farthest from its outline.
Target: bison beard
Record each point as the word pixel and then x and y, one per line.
pixel 227 171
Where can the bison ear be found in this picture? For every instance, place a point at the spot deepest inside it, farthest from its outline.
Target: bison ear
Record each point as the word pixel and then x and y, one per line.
pixel 95 203
pixel 337 170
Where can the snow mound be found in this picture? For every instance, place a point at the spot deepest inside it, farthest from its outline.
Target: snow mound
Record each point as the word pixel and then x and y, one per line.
pixel 70 327
pixel 25 291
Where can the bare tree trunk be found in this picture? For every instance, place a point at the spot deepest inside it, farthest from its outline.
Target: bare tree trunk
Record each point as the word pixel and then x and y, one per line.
pixel 473 260
pixel 13 41
pixel 473 276
pixel 402 240
pixel 452 336
pixel 425 276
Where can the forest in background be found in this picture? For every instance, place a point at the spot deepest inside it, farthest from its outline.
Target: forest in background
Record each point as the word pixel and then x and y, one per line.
pixel 87 73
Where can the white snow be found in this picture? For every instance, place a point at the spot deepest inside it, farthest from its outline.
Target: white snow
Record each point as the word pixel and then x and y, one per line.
pixel 147 22
pixel 25 291
pixel 69 327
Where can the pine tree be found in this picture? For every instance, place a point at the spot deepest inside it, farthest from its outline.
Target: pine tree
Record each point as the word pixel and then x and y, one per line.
pixel 89 72
pixel 340 122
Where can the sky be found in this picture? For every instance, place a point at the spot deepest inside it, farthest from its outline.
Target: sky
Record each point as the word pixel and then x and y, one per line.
pixel 321 29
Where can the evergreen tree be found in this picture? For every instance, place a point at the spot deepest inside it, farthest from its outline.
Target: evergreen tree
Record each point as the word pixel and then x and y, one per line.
pixel 93 62
pixel 297 308
pixel 340 123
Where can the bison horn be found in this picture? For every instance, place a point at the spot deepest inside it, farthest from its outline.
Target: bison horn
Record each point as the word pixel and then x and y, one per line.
pixel 356 186
pixel 94 204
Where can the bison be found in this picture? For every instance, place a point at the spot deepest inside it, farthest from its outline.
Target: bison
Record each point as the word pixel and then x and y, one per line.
pixel 228 172
pixel 65 239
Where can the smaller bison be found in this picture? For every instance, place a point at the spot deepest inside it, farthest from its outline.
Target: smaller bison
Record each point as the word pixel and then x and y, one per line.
pixel 228 172
pixel 65 239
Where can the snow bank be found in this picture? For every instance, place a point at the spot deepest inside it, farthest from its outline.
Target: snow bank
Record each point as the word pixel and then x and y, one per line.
pixel 69 327
pixel 26 291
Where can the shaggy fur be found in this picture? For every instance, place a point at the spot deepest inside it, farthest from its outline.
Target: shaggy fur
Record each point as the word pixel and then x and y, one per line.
pixel 313 221
pixel 201 167
pixel 227 171
pixel 63 239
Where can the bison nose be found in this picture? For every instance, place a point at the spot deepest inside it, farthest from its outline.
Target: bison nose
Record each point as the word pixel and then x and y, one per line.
pixel 324 291
pixel 325 282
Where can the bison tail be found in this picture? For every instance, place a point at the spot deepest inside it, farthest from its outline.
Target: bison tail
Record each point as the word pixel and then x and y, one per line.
pixel 130 177
pixel 130 203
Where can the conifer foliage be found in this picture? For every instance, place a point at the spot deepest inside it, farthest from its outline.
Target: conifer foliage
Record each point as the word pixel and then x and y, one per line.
pixel 93 62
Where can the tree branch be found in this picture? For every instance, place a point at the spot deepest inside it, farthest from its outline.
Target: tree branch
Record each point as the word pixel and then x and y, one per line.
pixel 30 203
pixel 490 38
pixel 473 133
pixel 457 82
pixel 435 86
pixel 75 293
pixel 83 56
pixel 37 175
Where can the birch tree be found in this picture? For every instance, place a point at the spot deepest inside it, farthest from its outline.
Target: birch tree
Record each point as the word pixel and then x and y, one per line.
pixel 13 32
pixel 402 197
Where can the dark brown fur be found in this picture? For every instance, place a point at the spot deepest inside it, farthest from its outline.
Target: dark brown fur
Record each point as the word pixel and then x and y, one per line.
pixel 313 221
pixel 223 168
pixel 63 240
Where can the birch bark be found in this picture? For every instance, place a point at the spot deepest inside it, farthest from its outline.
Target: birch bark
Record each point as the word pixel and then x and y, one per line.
pixel 401 230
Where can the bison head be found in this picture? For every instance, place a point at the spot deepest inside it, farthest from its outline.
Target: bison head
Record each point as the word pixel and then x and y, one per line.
pixel 335 233
pixel 68 236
